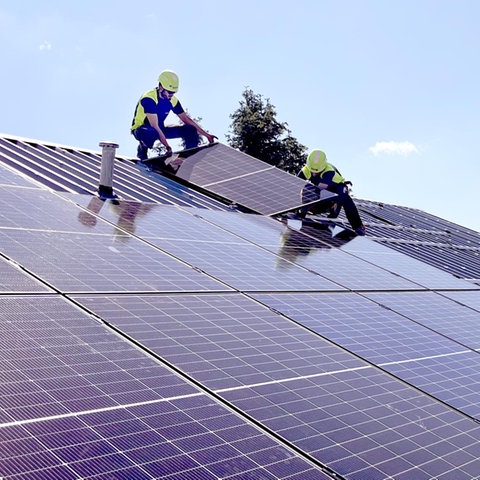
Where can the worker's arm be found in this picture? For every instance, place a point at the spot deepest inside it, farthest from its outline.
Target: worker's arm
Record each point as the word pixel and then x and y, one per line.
pixel 190 121
pixel 153 120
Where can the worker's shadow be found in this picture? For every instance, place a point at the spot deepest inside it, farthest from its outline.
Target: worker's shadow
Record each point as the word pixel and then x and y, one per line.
pixel 122 214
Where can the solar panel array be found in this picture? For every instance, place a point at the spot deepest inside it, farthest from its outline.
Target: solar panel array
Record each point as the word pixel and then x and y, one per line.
pixel 430 239
pixel 433 240
pixel 152 341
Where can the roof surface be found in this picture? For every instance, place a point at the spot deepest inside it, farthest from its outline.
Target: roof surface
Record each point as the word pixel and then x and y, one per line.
pixel 167 335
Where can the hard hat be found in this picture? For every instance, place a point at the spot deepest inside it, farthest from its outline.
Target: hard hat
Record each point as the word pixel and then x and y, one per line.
pixel 316 161
pixel 169 80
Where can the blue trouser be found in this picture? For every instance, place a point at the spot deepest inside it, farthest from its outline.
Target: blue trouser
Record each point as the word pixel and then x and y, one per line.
pixel 343 199
pixel 148 135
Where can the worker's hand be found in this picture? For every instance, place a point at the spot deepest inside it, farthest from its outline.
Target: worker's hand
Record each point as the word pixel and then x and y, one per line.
pixel 168 153
pixel 211 138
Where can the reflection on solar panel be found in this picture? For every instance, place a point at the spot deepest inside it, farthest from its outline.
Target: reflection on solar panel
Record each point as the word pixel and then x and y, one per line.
pixel 77 262
pixel 345 413
pixel 79 402
pixel 245 267
pixel 233 175
pixel 294 248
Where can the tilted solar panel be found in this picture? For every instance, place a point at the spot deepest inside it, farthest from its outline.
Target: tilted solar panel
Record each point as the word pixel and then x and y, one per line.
pixel 237 177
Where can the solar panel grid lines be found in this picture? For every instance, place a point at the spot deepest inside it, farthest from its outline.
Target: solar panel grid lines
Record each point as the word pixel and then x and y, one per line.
pixel 75 262
pixel 189 437
pixel 354 443
pixel 84 403
pixel 15 280
pixel 414 351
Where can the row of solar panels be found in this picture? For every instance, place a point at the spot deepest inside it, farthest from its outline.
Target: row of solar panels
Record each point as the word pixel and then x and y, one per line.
pixel 440 243
pixel 195 343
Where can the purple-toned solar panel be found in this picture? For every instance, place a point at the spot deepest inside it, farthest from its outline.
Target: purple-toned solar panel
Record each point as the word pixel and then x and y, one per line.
pixel 71 409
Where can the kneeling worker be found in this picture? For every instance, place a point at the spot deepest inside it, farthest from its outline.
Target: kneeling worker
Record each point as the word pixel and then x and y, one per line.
pixel 321 175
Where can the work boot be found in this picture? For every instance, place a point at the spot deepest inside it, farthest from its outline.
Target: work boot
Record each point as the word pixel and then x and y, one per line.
pixel 142 152
pixel 360 230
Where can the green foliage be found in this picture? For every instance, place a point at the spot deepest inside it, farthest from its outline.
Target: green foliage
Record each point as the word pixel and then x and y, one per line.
pixel 256 131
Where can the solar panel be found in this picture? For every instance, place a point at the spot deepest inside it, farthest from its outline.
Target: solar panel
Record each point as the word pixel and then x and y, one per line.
pixel 78 401
pixel 9 177
pixel 76 262
pixel 432 361
pixel 237 177
pixel 143 341
pixel 14 280
pixel 294 247
pixel 436 312
pixel 341 411
pixel 405 266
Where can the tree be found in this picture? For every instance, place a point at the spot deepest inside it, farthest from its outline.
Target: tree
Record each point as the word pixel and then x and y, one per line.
pixel 256 131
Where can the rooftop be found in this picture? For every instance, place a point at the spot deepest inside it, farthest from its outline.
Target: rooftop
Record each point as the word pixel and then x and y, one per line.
pixel 170 334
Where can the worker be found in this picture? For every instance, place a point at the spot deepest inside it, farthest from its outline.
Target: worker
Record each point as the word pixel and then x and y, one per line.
pixel 152 109
pixel 322 175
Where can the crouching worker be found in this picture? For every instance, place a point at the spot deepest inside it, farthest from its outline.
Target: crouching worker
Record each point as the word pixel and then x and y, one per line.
pixel 152 109
pixel 321 175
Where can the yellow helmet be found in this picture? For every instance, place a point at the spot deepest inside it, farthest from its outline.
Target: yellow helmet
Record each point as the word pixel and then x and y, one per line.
pixel 316 161
pixel 169 80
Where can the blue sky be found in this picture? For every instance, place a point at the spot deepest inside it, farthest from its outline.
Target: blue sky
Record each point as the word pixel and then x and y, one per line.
pixel 388 88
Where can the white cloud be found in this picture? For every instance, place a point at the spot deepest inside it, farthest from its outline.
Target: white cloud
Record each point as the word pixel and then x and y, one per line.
pixel 45 46
pixel 394 148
